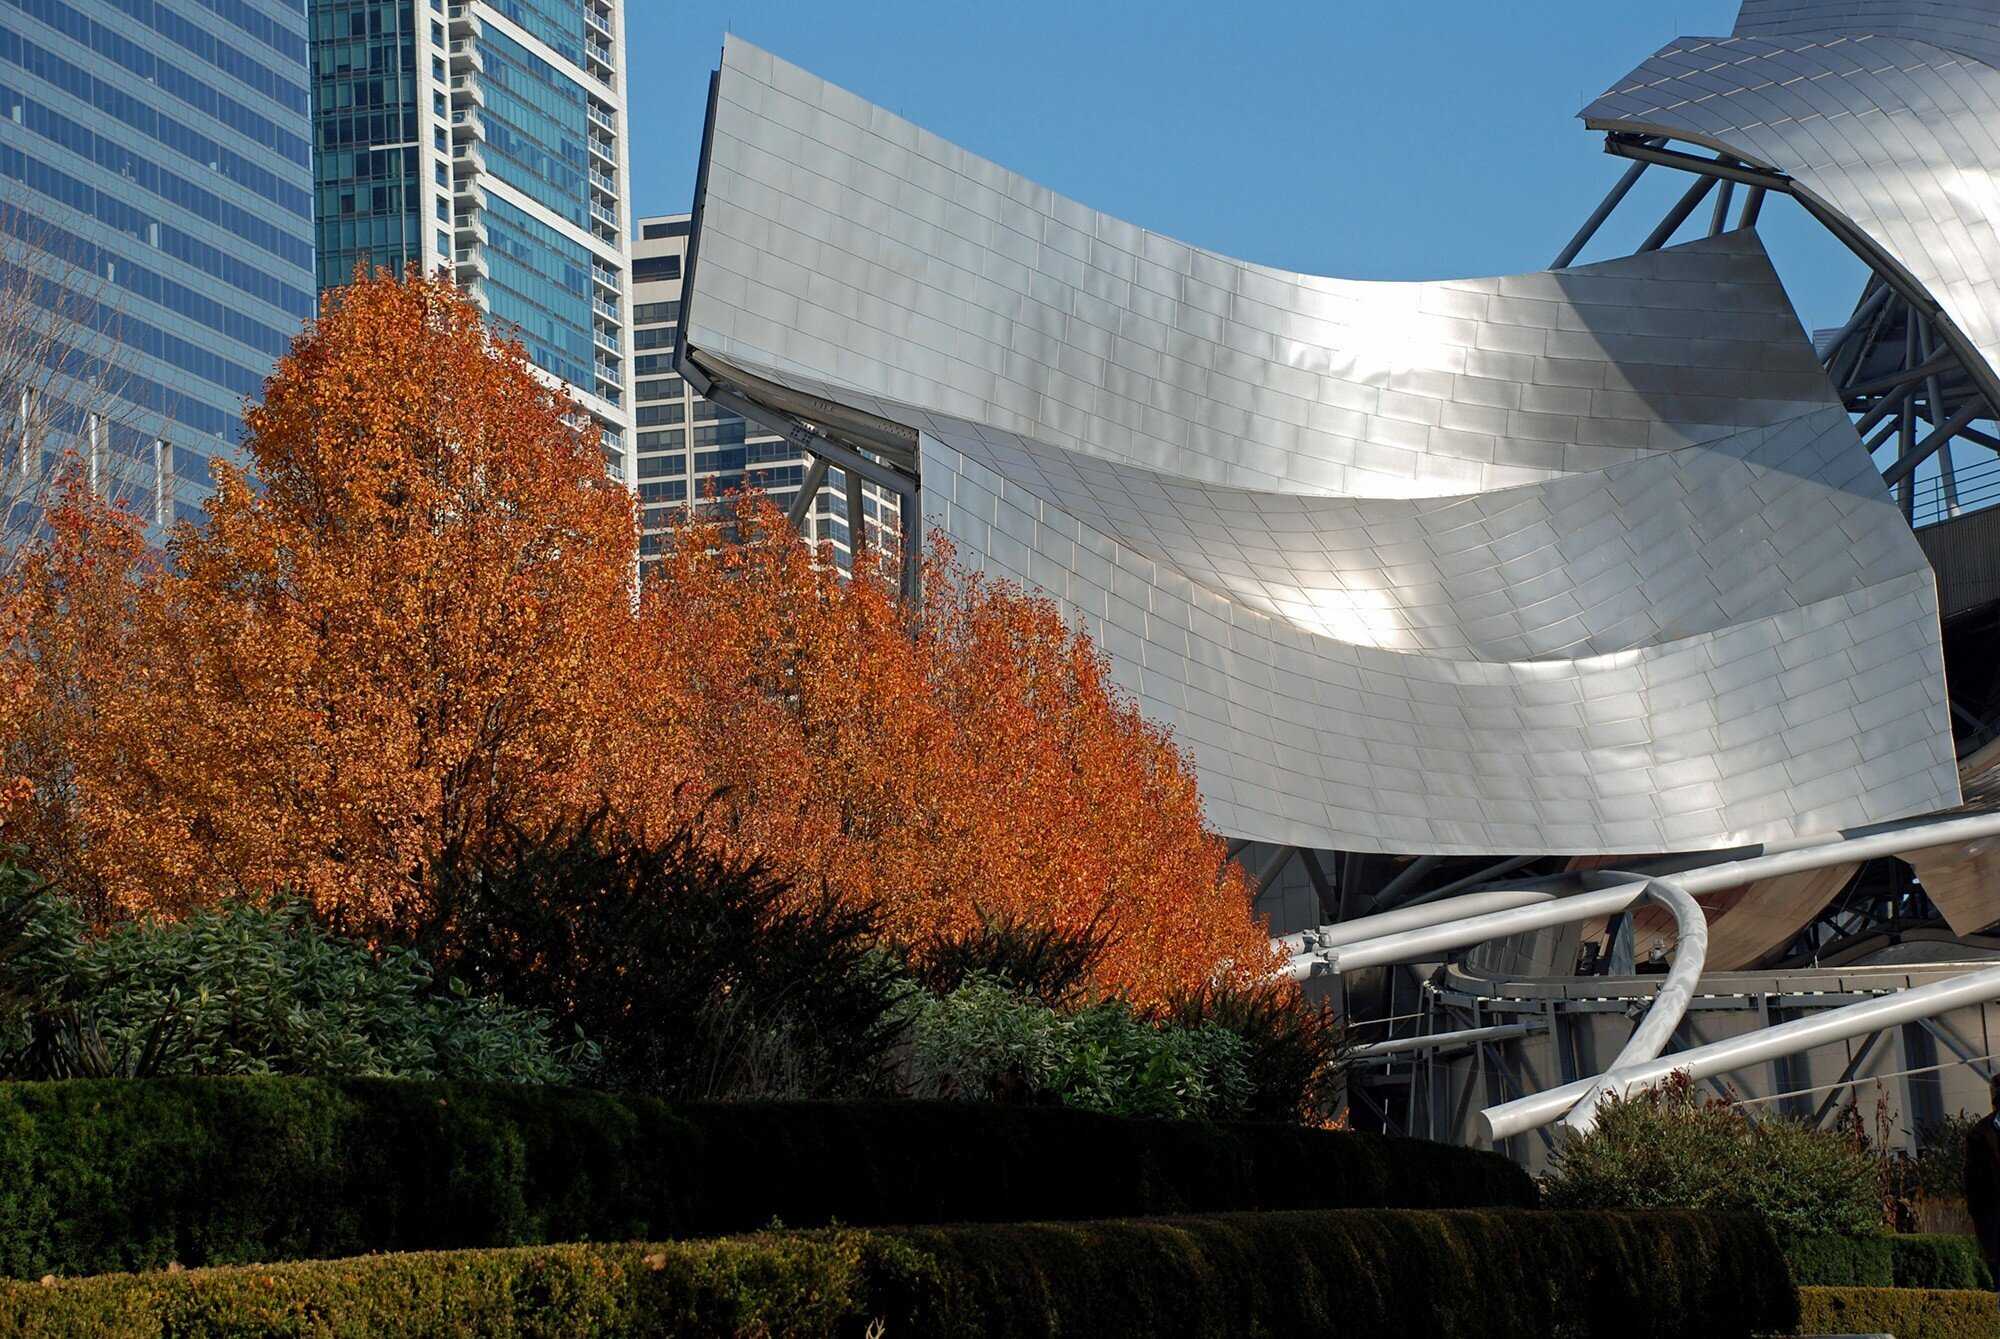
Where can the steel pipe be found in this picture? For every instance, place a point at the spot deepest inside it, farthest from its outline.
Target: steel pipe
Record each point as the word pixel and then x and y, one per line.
pixel 1438 940
pixel 1670 1002
pixel 1596 220
pixel 1506 1119
pixel 1410 918
pixel 1434 1040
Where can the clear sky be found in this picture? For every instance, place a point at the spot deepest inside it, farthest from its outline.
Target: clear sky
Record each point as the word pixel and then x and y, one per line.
pixel 1412 140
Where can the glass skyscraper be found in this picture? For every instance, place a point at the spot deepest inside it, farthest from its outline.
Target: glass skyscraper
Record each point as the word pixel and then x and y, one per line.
pixel 487 137
pixel 156 190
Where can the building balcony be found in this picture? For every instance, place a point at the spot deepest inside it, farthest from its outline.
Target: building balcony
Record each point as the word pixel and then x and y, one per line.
pixel 465 56
pixel 608 371
pixel 466 90
pixel 606 279
pixel 604 214
pixel 606 151
pixel 466 123
pixel 469 227
pixel 600 116
pixel 600 21
pixel 466 193
pixel 465 156
pixel 604 339
pixel 608 310
pixel 605 182
pixel 464 23
pixel 469 262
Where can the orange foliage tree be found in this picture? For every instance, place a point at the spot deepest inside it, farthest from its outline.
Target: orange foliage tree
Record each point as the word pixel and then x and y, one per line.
pixel 970 760
pixel 412 623
pixel 388 637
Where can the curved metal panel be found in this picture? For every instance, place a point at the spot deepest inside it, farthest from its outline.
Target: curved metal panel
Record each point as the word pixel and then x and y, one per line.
pixel 1886 133
pixel 1582 561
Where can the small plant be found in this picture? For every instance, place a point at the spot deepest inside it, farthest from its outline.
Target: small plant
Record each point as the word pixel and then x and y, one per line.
pixel 1294 1050
pixel 243 989
pixel 1042 962
pixel 987 1041
pixel 699 974
pixel 1665 1148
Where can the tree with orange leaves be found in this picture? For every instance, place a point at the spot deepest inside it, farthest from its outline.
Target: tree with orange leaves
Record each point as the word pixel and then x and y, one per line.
pixel 74 667
pixel 971 760
pixel 409 626
pixel 392 634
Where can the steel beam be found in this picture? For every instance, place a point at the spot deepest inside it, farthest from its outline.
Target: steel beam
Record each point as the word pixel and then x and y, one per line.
pixel 1410 918
pixel 1678 215
pixel 1603 211
pixel 802 504
pixel 1907 463
pixel 1436 1040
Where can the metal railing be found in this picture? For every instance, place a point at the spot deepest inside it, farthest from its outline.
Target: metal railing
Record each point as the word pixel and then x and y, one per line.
pixel 1978 487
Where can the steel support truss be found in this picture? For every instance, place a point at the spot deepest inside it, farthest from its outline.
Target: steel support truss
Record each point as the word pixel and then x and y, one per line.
pixel 1899 364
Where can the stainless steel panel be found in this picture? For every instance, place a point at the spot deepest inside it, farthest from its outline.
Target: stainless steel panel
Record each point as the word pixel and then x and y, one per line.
pixel 1578 561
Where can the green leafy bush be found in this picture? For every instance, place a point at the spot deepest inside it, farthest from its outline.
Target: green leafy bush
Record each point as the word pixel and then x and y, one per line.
pixel 1927 1260
pixel 1357 1273
pixel 1907 1313
pixel 697 974
pixel 1294 1051
pixel 245 990
pixel 133 1174
pixel 1665 1148
pixel 987 1042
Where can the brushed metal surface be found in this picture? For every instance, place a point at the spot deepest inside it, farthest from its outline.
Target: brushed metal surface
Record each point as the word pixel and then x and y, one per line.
pixel 1579 561
pixel 1887 112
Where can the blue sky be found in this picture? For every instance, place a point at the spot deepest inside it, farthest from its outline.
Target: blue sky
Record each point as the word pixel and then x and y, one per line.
pixel 1384 141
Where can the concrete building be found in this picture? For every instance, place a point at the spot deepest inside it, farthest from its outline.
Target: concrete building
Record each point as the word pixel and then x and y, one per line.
pixel 487 137
pixel 156 184
pixel 690 450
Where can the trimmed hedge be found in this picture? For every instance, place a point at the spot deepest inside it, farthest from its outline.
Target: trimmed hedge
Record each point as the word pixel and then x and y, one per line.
pixel 1829 1261
pixel 1950 1263
pixel 101 1176
pixel 1363 1274
pixel 1908 1260
pixel 1907 1313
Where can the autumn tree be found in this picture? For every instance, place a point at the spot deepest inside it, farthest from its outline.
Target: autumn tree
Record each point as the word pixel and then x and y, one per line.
pixel 971 759
pixel 391 634
pixel 408 630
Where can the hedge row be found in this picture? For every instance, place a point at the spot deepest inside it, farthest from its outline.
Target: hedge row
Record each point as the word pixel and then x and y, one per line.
pixel 1363 1274
pixel 1903 1261
pixel 118 1175
pixel 1907 1313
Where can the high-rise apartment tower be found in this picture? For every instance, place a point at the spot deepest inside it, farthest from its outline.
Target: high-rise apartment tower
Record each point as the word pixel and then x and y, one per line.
pixel 487 137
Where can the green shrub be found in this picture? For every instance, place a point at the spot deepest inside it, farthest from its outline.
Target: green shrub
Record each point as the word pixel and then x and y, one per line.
pixel 1361 1274
pixel 1938 1170
pixel 244 990
pixel 1294 1052
pixel 699 975
pixel 1939 1262
pixel 1886 1260
pixel 1049 963
pixel 1665 1148
pixel 1824 1260
pixel 986 1042
pixel 1907 1313
pixel 132 1174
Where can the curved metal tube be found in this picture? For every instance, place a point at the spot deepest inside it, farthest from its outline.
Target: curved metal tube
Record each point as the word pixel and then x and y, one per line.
pixel 1855 1020
pixel 1670 1002
pixel 1409 918
pixel 1435 941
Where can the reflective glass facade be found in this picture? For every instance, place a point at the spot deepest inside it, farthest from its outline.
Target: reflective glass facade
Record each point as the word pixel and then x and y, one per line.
pixel 485 137
pixel 155 167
